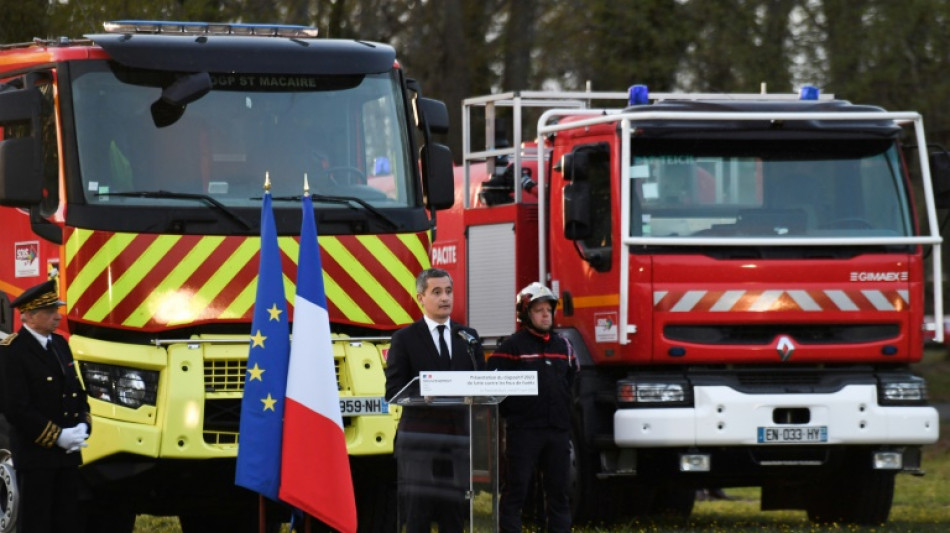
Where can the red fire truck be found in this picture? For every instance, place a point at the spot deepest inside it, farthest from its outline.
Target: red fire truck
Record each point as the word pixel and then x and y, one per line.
pixel 132 164
pixel 742 275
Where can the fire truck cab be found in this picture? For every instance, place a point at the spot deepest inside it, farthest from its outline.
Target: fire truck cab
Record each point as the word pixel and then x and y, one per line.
pixel 132 165
pixel 742 276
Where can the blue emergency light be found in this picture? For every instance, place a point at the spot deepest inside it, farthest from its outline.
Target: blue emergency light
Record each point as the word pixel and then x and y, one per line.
pixel 808 92
pixel 639 95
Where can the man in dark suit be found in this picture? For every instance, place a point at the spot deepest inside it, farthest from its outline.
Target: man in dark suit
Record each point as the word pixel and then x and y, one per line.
pixel 49 414
pixel 432 442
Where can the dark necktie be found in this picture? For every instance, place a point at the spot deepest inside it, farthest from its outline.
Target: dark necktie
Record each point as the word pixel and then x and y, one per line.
pixel 443 347
pixel 55 353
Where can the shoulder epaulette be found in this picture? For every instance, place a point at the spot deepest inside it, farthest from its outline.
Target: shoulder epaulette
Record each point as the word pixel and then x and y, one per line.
pixel 8 339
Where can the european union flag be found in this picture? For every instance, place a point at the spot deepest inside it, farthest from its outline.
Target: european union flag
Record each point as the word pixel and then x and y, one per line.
pixel 265 384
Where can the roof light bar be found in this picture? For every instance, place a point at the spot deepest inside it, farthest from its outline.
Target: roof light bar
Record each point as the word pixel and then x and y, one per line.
pixel 208 28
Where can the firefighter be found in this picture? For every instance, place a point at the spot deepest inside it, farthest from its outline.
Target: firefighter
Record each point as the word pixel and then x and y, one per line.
pixel 49 414
pixel 537 427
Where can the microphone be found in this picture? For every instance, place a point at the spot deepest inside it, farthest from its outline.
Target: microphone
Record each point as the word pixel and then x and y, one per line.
pixel 469 339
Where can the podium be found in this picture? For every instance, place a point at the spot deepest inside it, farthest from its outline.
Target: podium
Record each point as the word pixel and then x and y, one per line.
pixel 447 454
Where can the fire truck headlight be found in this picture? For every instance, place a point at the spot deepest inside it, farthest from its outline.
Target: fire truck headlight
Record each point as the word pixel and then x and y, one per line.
pixel 654 393
pixel 129 387
pixel 902 390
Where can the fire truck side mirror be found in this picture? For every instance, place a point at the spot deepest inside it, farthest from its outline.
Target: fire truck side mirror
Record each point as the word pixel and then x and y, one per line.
pixel 573 166
pixel 576 207
pixel 434 114
pixel 21 158
pixel 438 175
pixel 940 176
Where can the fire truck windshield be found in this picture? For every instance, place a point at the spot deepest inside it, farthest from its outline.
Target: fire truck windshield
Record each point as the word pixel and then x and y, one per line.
pixel 768 188
pixel 347 134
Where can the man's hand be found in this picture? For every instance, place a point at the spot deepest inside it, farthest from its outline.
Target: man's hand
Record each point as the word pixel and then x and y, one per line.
pixel 74 438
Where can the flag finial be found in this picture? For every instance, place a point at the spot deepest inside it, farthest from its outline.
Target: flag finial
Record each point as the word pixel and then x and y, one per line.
pixel 266 181
pixel 306 185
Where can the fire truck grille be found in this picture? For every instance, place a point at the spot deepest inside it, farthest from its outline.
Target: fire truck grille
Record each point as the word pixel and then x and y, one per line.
pixel 225 375
pixel 765 334
pixel 223 380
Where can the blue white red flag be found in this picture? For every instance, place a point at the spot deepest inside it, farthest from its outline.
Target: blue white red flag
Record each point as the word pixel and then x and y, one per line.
pixel 262 408
pixel 316 468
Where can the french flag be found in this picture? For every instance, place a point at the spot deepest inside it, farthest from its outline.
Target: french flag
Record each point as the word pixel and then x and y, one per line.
pixel 315 473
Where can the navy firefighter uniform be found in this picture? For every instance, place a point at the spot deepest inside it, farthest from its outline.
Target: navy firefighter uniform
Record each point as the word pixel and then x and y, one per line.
pixel 48 412
pixel 537 427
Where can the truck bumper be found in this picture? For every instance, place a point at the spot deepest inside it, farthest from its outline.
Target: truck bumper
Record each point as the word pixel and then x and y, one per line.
pixel 722 416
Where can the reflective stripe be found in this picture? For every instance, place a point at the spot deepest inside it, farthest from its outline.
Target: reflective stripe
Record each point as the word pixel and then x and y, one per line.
pixel 370 284
pixel 151 281
pixel 131 277
pixel 773 300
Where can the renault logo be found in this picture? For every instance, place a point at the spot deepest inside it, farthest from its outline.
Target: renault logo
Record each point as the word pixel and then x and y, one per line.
pixel 785 348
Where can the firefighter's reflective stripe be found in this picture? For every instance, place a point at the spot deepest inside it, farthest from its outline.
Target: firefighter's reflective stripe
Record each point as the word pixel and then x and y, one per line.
pixel 149 281
pixel 781 300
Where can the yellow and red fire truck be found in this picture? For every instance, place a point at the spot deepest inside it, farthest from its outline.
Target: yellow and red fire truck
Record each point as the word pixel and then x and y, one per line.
pixel 742 275
pixel 132 164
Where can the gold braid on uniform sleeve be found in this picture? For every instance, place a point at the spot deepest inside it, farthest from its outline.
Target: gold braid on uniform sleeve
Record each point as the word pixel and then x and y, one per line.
pixel 49 435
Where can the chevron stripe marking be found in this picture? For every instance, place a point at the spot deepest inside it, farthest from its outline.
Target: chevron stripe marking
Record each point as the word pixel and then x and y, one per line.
pixel 780 300
pixel 131 277
pixel 97 264
pixel 166 303
pixel 212 291
pixel 367 282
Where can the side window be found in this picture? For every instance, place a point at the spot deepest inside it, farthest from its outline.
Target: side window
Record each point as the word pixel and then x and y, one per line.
pixel 587 203
pixel 48 137
pixel 601 214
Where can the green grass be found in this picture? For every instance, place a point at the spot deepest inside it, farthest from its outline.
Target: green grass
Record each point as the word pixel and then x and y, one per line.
pixel 921 504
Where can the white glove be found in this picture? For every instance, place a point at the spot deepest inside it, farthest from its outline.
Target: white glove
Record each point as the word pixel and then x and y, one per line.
pixel 76 448
pixel 74 437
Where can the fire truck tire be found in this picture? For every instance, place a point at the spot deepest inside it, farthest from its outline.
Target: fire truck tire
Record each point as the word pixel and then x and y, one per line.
pixel 593 501
pixel 859 497
pixel 9 496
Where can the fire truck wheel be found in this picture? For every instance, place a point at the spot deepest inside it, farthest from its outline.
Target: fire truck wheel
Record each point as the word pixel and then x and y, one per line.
pixel 861 497
pixel 9 496
pixel 593 501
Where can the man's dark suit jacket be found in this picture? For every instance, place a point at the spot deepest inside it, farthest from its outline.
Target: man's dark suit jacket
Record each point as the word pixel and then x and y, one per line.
pixel 430 448
pixel 413 351
pixel 41 400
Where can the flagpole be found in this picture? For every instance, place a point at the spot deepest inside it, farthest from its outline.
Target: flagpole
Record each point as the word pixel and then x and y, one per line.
pixel 261 514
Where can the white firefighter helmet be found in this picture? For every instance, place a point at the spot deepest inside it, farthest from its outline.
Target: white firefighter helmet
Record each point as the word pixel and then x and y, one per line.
pixel 534 292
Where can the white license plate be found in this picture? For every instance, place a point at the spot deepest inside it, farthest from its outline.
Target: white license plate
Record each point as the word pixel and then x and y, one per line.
pixel 371 405
pixel 784 435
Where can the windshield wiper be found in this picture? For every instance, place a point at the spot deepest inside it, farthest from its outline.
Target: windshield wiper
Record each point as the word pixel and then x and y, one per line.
pixel 182 196
pixel 344 200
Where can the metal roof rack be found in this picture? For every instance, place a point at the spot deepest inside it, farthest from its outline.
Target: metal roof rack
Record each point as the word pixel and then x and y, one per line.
pixel 208 28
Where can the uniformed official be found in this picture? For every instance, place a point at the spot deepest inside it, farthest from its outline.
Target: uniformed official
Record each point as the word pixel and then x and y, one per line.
pixel 49 414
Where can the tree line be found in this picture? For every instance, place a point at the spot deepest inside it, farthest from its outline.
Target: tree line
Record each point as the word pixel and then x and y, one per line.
pixel 892 54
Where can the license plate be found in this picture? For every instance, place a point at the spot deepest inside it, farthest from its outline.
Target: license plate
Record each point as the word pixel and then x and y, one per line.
pixel 780 435
pixel 372 405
